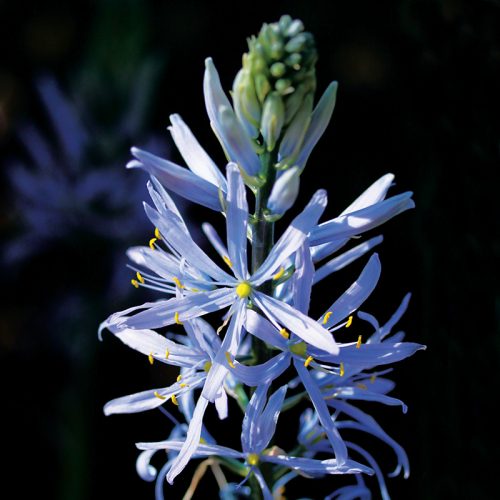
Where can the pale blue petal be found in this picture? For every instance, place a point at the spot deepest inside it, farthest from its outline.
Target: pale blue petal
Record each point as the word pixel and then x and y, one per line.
pixel 343 260
pixel 319 252
pixel 269 419
pixel 250 427
pixel 264 373
pixel 143 467
pixel 266 493
pixel 284 192
pixel 293 237
pixel 221 404
pixel 180 180
pixel 302 279
pixel 194 155
pixel 264 330
pixel 236 222
pixel 235 141
pixel 161 263
pixel 354 223
pixel 357 293
pixel 319 121
pixel 351 492
pixel 214 239
pixel 295 322
pixel 192 440
pixel 232 339
pixel 204 335
pixel 203 450
pixel 313 467
pixel 321 408
pixel 366 395
pixel 374 194
pixel 386 329
pixel 162 200
pixel 170 227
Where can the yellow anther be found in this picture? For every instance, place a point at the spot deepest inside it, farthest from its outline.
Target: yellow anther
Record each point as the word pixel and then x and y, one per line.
pixel 157 233
pixel 243 290
pixel 279 274
pixel 183 385
pixel 327 317
pixel 203 441
pixel 179 377
pixel 195 290
pixel 176 318
pixel 227 260
pixel 152 242
pixel 177 281
pixel 139 277
pixel 307 362
pixel 252 459
pixel 349 322
pixel 134 282
pixel 373 378
pixel 174 400
pixel 229 360
pixel 358 343
pixel 167 354
pixel 284 333
pixel 207 366
pixel 342 370
pixel 151 358
pixel 362 386
pixel 159 396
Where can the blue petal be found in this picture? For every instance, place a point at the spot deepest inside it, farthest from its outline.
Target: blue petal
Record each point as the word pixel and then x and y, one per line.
pixel 264 373
pixel 284 192
pixel 343 260
pixel 264 330
pixel 266 493
pixel 354 223
pixel 180 180
pixel 236 222
pixel 194 155
pixel 303 279
pixel 250 426
pixel 293 237
pixel 296 322
pixel 357 293
pixel 269 418
pixel 214 239
pixel 203 450
pixel 321 408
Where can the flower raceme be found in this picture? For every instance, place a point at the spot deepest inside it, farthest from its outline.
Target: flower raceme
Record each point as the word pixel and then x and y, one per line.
pixel 267 332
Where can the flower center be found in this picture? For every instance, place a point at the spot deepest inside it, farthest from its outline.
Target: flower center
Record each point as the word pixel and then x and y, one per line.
pixel 243 290
pixel 300 349
pixel 252 459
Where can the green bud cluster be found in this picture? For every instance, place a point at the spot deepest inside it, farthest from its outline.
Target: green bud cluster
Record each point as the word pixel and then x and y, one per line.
pixel 277 81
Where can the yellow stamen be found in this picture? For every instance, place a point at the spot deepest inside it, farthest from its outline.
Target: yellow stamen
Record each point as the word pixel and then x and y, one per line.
pixel 151 358
pixel 134 282
pixel 179 377
pixel 207 366
pixel 177 281
pixel 327 317
pixel 252 459
pixel 358 343
pixel 174 400
pixel 373 378
pixel 139 277
pixel 307 362
pixel 243 290
pixel 152 242
pixel 167 354
pixel 342 370
pixel 227 260
pixel 183 385
pixel 159 396
pixel 229 360
pixel 284 333
pixel 176 318
pixel 195 290
pixel 361 386
pixel 349 322
pixel 279 274
pixel 157 233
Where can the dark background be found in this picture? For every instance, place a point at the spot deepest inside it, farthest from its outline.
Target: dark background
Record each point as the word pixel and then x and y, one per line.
pixel 418 84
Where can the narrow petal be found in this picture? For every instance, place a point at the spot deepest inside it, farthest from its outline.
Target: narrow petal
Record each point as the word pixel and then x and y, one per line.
pixel 143 467
pixel 375 193
pixel 343 260
pixel 357 293
pixel 192 440
pixel 321 408
pixel 170 228
pixel 319 121
pixel 313 467
pixel 266 493
pixel 293 237
pixel 295 322
pixel 269 418
pixel 232 339
pixel 203 450
pixel 250 427
pixel 354 223
pixel 303 279
pixel 214 239
pixel 221 404
pixel 386 329
pixel 236 222
pixel 163 200
pixel 180 180
pixel 264 373
pixel 366 395
pixel 194 155
pixel 264 330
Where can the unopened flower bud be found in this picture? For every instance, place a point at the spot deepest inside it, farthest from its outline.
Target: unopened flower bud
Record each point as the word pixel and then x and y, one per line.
pixel 284 192
pixel 273 117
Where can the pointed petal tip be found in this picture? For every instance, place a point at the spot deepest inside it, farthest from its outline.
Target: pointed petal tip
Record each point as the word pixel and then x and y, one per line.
pixel 133 164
